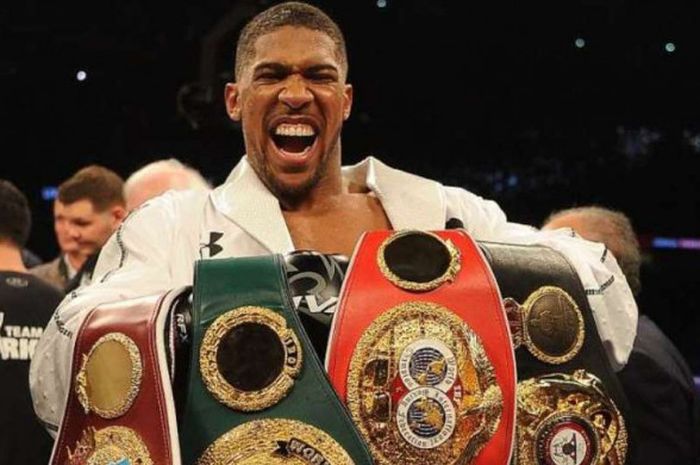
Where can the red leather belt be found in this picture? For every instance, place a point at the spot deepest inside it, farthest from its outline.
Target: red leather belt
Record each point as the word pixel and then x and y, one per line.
pixel 421 353
pixel 120 408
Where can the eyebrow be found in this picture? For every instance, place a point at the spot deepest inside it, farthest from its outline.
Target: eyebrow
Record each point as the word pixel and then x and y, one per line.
pixel 279 67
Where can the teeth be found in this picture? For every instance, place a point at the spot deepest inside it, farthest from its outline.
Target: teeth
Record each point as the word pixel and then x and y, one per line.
pixel 294 130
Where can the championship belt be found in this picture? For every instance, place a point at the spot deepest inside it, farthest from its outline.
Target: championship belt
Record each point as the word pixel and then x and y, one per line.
pixel 569 399
pixel 421 353
pixel 120 407
pixel 257 393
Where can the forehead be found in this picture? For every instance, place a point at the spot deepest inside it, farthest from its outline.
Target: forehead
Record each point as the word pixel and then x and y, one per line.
pixel 80 208
pixel 295 46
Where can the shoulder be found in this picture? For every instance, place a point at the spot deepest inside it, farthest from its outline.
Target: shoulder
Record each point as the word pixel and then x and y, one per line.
pixel 31 289
pixel 45 268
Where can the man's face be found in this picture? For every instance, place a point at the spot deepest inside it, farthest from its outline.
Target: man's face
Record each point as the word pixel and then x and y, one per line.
pixel 60 225
pixel 292 100
pixel 90 229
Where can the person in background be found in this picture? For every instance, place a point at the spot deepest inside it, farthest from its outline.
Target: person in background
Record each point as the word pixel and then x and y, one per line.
pixel 657 381
pixel 93 207
pixel 158 177
pixel 63 268
pixel 26 306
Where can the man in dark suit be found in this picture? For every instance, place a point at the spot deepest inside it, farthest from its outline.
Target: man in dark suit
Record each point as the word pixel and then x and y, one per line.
pixel 657 381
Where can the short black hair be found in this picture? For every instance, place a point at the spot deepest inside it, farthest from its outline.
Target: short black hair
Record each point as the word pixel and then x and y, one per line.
pixel 287 14
pixel 15 217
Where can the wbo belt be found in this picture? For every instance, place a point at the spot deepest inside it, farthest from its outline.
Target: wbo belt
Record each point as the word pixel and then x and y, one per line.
pixel 421 353
pixel 571 407
pixel 120 408
pixel 257 393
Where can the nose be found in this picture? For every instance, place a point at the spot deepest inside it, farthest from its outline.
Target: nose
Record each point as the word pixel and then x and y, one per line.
pixel 73 232
pixel 295 93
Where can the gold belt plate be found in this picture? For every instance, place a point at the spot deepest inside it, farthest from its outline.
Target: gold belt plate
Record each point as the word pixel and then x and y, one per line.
pixel 283 377
pixel 421 388
pixel 275 442
pixel 568 420
pixel 110 376
pixel 108 446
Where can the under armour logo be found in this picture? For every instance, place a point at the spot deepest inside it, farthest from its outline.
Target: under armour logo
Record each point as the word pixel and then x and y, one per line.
pixel 212 246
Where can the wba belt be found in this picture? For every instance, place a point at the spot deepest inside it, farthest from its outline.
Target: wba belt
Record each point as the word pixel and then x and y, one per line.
pixel 420 351
pixel 256 391
pixel 120 407
pixel 570 404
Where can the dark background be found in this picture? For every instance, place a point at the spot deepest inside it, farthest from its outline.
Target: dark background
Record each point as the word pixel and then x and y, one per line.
pixel 493 96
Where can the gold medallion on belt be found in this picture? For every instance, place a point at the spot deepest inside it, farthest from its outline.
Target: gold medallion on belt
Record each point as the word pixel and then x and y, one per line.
pixel 569 420
pixel 418 261
pixel 549 324
pixel 110 376
pixel 249 358
pixel 421 388
pixel 112 445
pixel 275 442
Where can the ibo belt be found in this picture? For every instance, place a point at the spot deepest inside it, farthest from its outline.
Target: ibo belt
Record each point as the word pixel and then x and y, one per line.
pixel 257 393
pixel 120 408
pixel 421 353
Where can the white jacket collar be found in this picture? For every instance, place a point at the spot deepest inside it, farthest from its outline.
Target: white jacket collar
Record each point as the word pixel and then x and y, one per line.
pixel 410 202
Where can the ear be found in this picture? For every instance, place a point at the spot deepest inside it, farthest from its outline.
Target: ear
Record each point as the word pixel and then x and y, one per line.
pixel 347 103
pixel 232 99
pixel 118 214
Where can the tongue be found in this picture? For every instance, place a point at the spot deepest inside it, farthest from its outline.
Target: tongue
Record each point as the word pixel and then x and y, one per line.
pixel 294 144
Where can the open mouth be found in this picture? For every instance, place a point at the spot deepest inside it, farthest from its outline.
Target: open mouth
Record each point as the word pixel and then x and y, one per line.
pixel 294 139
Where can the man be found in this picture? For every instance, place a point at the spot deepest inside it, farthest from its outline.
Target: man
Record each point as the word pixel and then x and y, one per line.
pixel 160 176
pixel 657 381
pixel 290 192
pixel 70 259
pixel 26 305
pixel 93 208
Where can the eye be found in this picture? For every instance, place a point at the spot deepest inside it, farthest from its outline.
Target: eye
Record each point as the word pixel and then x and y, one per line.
pixel 268 76
pixel 323 77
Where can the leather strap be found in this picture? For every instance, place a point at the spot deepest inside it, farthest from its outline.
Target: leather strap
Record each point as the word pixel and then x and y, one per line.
pixel 524 272
pixel 369 302
pixel 254 289
pixel 120 400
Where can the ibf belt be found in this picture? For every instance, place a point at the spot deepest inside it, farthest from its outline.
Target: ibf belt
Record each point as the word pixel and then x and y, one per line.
pixel 256 392
pixel 421 353
pixel 569 389
pixel 120 407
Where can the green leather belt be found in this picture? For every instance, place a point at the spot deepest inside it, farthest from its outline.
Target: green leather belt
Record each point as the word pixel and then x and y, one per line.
pixel 257 392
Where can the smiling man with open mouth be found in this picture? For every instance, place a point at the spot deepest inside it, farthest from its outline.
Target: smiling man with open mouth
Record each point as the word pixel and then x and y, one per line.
pixel 291 98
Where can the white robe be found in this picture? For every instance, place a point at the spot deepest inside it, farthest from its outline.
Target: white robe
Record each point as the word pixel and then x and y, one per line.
pixel 154 250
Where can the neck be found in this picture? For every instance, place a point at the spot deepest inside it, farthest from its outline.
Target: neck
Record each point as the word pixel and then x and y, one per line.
pixel 324 193
pixel 11 258
pixel 76 259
